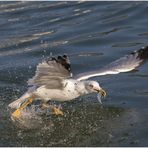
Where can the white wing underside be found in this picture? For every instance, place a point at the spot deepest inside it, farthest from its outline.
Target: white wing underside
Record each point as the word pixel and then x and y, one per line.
pixel 50 73
pixel 124 64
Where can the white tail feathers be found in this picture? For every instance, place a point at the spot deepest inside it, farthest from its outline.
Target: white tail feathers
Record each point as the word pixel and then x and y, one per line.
pixel 17 103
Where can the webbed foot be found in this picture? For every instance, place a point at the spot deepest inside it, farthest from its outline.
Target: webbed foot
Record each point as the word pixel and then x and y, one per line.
pixel 17 113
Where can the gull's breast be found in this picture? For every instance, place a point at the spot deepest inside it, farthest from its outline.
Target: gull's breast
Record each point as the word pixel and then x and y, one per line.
pixel 65 94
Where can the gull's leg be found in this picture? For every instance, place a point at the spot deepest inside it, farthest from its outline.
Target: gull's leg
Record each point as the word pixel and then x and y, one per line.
pixel 45 105
pixel 56 110
pixel 17 112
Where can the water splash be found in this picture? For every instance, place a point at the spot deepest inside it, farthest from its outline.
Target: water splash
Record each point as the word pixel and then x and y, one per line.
pixel 32 117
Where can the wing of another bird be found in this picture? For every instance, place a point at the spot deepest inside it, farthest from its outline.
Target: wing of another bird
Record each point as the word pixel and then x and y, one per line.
pixel 124 64
pixel 52 72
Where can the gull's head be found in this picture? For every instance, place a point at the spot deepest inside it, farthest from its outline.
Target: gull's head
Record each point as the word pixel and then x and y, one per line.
pixel 94 87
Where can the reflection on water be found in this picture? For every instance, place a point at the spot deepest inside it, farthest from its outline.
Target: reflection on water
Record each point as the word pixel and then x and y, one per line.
pixel 92 34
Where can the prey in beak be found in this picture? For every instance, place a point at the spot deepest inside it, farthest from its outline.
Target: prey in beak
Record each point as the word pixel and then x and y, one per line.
pixel 101 93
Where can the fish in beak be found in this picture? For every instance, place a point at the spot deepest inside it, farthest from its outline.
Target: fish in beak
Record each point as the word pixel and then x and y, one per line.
pixel 101 93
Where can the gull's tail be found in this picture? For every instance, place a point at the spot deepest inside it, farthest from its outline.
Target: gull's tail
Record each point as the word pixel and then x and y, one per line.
pixel 17 103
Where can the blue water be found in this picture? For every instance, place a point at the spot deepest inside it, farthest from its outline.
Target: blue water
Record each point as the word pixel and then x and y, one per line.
pixel 92 34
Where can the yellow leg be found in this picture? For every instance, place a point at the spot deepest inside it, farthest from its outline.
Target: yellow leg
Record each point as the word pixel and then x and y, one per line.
pixel 45 105
pixel 57 111
pixel 17 113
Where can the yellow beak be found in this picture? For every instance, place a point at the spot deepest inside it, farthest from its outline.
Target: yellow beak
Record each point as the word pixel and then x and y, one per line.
pixel 101 91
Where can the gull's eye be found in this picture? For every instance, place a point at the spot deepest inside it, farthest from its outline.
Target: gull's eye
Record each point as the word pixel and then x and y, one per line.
pixel 91 86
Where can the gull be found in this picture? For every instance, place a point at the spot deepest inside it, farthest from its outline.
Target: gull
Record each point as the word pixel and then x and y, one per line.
pixel 54 80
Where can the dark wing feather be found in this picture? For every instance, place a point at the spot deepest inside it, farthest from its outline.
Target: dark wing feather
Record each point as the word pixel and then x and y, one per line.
pixel 124 64
pixel 52 72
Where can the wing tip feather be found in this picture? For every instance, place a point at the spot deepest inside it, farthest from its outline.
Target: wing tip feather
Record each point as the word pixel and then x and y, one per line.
pixel 63 60
pixel 142 53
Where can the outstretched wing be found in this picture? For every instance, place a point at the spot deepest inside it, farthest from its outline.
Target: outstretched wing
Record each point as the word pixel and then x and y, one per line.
pixel 124 64
pixel 52 72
